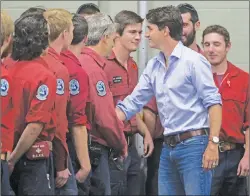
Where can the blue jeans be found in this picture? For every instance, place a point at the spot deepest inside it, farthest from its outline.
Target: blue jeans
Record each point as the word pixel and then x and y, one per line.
pixel 180 170
pixel 70 188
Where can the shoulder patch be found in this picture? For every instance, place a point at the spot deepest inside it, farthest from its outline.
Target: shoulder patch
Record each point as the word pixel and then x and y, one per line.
pixel 74 87
pixel 42 92
pixel 60 86
pixel 4 87
pixel 101 89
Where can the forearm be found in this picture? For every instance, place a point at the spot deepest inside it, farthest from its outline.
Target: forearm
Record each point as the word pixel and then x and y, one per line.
pixel 80 140
pixel 142 128
pixel 215 118
pixel 29 136
pixel 150 121
pixel 247 142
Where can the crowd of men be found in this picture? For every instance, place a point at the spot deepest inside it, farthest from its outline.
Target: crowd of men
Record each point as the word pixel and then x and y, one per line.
pixel 72 102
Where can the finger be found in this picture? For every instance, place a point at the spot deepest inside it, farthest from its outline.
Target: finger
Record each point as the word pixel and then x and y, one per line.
pixel 210 164
pixel 59 182
pixel 239 170
pixel 245 172
pixel 145 147
pixel 150 150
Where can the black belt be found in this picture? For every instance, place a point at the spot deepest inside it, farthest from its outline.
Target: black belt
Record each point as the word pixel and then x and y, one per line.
pixel 95 144
pixel 173 140
pixel 226 146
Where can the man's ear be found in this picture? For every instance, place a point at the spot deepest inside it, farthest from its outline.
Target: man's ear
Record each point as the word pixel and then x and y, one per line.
pixel 197 25
pixel 166 31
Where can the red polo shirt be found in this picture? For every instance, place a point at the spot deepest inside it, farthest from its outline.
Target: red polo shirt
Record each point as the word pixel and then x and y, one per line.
pixel 235 104
pixel 8 62
pixel 106 128
pixel 7 112
pixel 60 148
pixel 122 82
pixel 78 88
pixel 34 97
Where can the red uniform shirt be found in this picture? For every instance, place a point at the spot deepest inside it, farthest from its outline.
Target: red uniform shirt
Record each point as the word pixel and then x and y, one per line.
pixel 106 128
pixel 7 112
pixel 8 62
pixel 34 97
pixel 122 82
pixel 78 88
pixel 235 104
pixel 60 149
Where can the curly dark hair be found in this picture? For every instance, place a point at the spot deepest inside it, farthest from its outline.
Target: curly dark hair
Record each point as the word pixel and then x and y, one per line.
pixel 30 37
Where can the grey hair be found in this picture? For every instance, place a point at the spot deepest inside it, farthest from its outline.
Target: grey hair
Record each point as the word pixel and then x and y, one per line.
pixel 99 25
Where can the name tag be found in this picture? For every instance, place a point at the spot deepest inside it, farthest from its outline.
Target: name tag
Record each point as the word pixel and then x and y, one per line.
pixel 117 79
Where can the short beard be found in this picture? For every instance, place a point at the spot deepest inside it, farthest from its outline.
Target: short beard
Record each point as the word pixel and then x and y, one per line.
pixel 190 38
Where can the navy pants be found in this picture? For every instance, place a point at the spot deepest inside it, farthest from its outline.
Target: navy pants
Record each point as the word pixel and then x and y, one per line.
pixel 225 180
pixel 33 177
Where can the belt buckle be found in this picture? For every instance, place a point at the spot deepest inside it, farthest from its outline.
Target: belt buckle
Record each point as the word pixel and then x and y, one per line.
pixel 221 147
pixel 172 142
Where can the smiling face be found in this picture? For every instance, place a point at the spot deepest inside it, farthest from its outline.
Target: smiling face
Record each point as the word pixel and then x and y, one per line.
pixel 215 48
pixel 154 35
pixel 131 37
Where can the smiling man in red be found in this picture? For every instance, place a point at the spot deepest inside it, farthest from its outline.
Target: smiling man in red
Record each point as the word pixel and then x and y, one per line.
pixel 233 83
pixel 122 73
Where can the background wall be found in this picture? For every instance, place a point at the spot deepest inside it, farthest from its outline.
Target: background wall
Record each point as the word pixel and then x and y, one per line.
pixel 234 15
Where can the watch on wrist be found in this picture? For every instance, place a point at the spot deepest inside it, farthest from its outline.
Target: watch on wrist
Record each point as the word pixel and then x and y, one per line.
pixel 214 139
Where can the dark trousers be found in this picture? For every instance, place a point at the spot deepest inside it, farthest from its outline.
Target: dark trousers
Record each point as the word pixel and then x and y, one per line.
pixel 153 167
pixel 225 180
pixel 34 177
pixel 84 187
pixel 126 180
pixel 70 188
pixel 5 180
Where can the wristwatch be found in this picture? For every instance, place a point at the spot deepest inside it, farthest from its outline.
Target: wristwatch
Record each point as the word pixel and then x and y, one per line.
pixel 215 139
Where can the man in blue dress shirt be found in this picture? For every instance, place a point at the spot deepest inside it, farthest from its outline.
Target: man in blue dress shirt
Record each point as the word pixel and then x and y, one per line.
pixel 189 106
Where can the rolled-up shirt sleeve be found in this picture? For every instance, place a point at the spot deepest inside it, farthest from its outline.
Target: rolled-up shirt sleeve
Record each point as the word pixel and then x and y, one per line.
pixel 203 81
pixel 140 96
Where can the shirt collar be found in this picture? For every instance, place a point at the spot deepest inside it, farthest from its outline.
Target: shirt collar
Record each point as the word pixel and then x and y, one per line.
pixel 232 70
pixel 175 53
pixel 99 59
pixel 69 54
pixel 54 54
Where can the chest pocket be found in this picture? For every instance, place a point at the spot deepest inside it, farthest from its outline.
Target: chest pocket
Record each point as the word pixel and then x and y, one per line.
pixel 234 96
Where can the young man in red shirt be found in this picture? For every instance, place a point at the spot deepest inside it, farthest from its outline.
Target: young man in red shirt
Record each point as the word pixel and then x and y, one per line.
pixel 77 139
pixel 7 108
pixel 34 97
pixel 229 176
pixel 60 37
pixel 122 73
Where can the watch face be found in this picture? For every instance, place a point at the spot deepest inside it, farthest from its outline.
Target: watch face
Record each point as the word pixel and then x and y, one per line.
pixel 216 139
